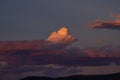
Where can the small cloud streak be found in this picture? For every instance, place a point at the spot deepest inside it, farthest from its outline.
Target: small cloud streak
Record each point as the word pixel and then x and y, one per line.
pixel 110 24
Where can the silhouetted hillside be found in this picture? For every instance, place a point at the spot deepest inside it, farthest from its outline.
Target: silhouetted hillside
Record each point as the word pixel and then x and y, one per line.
pixel 79 77
pixel 37 78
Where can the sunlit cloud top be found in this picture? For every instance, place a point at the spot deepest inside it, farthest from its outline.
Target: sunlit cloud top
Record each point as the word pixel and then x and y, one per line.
pixel 61 36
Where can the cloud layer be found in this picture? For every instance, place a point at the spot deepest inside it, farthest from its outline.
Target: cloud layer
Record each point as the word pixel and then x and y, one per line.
pixel 66 56
pixel 53 51
pixel 48 53
pixel 55 70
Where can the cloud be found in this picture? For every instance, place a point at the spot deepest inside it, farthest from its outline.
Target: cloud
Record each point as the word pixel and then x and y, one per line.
pixel 40 52
pixel 54 70
pixel 110 24
pixel 85 57
pixel 61 37
pixel 58 62
pixel 15 54
pixel 65 56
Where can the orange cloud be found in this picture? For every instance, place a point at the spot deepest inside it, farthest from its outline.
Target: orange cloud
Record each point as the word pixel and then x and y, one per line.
pixel 61 36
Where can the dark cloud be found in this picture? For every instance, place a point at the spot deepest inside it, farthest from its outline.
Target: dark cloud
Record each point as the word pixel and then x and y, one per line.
pixel 55 70
pixel 37 53
pixel 113 24
pixel 27 58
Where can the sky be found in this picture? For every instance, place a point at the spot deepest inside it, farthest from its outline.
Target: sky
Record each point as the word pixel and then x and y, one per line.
pixel 59 37
pixel 36 19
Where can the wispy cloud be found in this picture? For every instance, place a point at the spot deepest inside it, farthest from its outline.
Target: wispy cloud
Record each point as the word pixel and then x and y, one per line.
pixel 108 24
pixel 54 70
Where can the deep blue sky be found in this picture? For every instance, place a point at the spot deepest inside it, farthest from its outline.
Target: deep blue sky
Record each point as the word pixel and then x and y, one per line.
pixel 35 19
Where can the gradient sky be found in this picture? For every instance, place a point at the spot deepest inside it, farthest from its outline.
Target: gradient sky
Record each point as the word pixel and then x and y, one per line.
pixel 35 19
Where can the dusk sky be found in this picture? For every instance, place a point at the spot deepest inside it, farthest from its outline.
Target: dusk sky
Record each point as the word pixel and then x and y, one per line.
pixel 36 19
pixel 36 37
